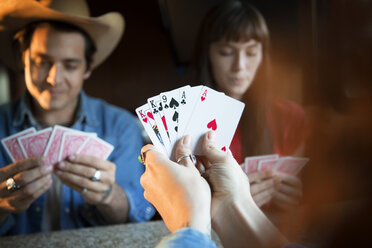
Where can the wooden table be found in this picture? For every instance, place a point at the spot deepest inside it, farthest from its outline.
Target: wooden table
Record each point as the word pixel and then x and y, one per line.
pixel 133 235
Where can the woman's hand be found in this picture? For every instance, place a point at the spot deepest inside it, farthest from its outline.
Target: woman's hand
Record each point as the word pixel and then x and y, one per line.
pixel 177 191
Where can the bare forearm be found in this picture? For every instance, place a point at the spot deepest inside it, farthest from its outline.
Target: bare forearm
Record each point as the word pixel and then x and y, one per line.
pixel 242 224
pixel 116 209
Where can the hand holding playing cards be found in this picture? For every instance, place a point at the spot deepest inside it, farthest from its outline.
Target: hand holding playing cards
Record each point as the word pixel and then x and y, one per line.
pixel 235 217
pixel 177 191
pixel 32 177
pixel 77 170
pixel 223 173
pixel 289 191
pixel 263 186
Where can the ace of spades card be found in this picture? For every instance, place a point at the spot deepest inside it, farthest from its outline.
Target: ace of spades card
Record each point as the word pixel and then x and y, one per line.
pixel 214 111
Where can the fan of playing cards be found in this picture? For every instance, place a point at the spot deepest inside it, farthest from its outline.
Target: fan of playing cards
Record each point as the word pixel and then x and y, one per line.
pixel 169 116
pixel 288 164
pixel 55 144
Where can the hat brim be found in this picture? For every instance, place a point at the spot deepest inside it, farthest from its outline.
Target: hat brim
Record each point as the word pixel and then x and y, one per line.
pixel 105 30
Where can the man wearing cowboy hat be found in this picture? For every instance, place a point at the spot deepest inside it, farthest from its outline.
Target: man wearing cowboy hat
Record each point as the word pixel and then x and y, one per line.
pixel 60 45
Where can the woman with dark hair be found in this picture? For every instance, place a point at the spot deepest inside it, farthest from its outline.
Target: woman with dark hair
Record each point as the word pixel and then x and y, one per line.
pixel 232 55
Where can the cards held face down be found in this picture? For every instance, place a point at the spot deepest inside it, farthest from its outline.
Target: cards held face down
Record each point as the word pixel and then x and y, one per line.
pixel 55 144
pixel 288 164
pixel 192 111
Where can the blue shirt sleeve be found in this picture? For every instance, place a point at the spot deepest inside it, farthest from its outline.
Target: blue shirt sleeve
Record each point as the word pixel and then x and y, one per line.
pixel 186 238
pixel 129 170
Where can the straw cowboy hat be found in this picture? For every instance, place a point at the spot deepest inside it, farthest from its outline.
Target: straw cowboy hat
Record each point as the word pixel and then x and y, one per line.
pixel 105 30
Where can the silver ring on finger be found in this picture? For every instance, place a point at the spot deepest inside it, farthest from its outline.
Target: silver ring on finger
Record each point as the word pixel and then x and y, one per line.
pixel 84 191
pixel 96 176
pixel 11 184
pixel 191 156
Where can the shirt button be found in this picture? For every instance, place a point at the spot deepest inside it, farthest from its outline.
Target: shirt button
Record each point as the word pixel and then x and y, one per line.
pixel 67 210
pixel 148 210
pixel 38 209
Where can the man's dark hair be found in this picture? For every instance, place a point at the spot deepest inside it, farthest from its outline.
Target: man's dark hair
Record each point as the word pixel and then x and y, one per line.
pixel 25 35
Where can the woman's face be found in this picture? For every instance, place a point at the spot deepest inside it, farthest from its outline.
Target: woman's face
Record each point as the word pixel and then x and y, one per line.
pixel 234 65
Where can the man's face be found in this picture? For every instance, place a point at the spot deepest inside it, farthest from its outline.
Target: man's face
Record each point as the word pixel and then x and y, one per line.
pixel 55 68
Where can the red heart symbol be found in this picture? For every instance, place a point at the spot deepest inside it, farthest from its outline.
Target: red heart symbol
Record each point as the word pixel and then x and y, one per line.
pixel 145 120
pixel 204 95
pixel 212 124
pixel 149 114
pixel 223 148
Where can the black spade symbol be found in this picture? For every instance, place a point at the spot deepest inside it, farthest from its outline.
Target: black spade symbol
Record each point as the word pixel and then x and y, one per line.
pixel 175 116
pixel 173 103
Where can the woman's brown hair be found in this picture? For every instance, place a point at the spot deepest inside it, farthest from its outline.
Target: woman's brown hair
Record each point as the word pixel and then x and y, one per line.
pixel 238 21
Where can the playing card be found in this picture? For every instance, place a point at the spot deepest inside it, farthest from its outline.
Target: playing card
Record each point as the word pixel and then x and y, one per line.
pixel 54 143
pixel 71 143
pixel 12 146
pixel 171 104
pixel 96 147
pixel 156 107
pixel 34 144
pixel 291 165
pixel 217 112
pixel 267 164
pixel 188 98
pixel 148 122
pixel 251 163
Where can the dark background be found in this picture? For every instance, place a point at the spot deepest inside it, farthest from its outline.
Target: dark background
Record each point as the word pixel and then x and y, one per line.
pixel 154 53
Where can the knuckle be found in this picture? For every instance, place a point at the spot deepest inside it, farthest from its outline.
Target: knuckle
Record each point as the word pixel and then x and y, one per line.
pixel 27 190
pixel 111 180
pixel 143 181
pixel 146 195
pixel 84 182
pixel 21 179
pixel 40 170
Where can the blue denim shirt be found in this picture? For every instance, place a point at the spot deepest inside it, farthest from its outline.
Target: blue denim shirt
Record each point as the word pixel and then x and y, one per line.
pixel 187 238
pixel 190 238
pixel 114 125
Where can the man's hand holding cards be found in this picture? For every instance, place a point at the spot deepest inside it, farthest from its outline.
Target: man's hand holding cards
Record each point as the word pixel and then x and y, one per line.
pixel 55 144
pixel 36 154
pixel 190 111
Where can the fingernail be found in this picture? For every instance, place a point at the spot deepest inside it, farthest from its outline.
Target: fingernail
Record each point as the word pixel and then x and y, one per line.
pixel 62 165
pixel 58 172
pixel 186 140
pixel 48 168
pixel 71 157
pixel 210 136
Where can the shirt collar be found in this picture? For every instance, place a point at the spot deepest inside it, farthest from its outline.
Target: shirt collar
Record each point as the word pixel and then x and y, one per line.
pixel 23 112
pixel 85 113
